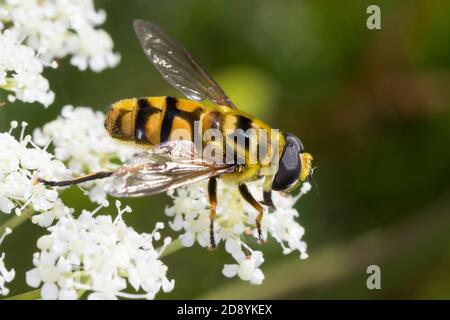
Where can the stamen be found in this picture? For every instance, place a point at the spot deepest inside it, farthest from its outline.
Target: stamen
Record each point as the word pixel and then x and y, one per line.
pixel 306 186
pixel 3 236
pixel 22 133
pixel 48 144
pixel 120 211
pixel 13 125
pixel 167 241
pixel 94 212
pixel 18 211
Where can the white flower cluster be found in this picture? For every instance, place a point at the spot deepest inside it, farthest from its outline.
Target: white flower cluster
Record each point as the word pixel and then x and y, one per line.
pixel 21 70
pixel 235 220
pixel 81 141
pixel 33 33
pixel 99 255
pixel 5 275
pixel 21 163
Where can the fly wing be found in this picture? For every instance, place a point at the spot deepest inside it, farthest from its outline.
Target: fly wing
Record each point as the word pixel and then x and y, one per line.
pixel 165 167
pixel 177 66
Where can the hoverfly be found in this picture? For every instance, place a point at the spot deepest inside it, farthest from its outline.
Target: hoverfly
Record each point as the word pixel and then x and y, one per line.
pixel 168 162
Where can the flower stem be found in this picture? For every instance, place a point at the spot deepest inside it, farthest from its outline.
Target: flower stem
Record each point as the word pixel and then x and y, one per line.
pixel 36 293
pixel 30 295
pixel 174 246
pixel 16 221
pixel 81 292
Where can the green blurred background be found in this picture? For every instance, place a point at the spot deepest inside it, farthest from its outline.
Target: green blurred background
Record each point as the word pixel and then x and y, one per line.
pixel 372 106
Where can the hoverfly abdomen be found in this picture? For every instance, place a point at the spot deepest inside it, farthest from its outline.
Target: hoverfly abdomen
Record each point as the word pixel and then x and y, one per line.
pixel 153 120
pixel 120 118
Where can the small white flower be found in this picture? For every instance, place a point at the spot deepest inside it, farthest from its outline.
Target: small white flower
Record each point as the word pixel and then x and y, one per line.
pixel 235 220
pixel 5 275
pixel 246 268
pixel 100 255
pixel 21 163
pixel 80 140
pixel 282 226
pixel 94 50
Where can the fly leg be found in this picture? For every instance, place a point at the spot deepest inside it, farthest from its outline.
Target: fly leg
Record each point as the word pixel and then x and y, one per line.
pixel 87 177
pixel 212 193
pixel 267 196
pixel 267 193
pixel 249 198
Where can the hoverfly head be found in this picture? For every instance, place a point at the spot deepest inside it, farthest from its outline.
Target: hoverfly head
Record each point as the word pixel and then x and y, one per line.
pixel 294 166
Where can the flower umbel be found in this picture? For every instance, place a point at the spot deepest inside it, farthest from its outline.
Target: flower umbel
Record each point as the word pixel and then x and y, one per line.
pixel 100 255
pixel 5 275
pixel 34 33
pixel 235 220
pixel 21 70
pixel 21 163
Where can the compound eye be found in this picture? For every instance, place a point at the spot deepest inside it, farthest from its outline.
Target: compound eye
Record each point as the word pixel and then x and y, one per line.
pixel 291 139
pixel 289 167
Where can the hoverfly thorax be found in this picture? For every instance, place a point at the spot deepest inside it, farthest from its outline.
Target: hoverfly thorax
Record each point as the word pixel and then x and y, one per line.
pixel 294 166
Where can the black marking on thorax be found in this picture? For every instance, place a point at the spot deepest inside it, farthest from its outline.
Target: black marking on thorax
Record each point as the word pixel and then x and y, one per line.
pixel 238 141
pixel 242 125
pixel 216 121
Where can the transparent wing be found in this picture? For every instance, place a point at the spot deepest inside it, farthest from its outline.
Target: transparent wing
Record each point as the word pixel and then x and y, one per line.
pixel 177 66
pixel 165 167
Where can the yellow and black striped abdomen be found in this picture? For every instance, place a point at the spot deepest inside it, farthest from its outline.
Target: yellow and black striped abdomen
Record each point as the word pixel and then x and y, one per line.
pixel 152 120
